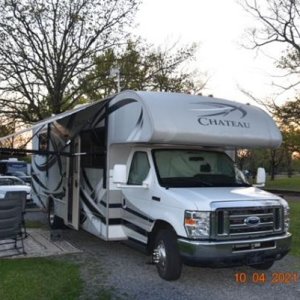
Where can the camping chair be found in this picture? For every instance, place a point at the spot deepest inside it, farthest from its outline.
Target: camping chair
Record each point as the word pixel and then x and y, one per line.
pixel 15 195
pixel 11 216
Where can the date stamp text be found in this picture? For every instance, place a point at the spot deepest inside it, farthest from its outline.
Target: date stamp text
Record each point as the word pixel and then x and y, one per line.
pixel 262 277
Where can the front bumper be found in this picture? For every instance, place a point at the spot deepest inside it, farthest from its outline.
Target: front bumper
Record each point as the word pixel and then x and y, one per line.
pixel 229 253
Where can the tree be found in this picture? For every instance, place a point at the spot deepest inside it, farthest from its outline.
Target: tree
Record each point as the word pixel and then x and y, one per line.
pixel 142 67
pixel 273 160
pixel 287 116
pixel 276 157
pixel 278 22
pixel 47 47
pixel 7 127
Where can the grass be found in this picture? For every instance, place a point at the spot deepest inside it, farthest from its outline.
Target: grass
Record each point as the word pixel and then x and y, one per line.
pixel 42 278
pixel 36 224
pixel 295 226
pixel 284 183
pixel 38 279
pixel 292 184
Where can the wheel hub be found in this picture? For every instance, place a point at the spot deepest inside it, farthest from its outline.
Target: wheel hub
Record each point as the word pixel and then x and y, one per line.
pixel 159 254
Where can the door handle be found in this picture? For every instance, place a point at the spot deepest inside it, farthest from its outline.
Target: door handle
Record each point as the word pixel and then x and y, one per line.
pixel 124 204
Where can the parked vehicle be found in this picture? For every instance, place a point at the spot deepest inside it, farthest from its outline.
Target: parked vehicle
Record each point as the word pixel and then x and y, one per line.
pixel 26 178
pixel 12 183
pixel 12 165
pixel 155 170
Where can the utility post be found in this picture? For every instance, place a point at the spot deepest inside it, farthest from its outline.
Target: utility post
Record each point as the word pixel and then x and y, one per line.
pixel 115 73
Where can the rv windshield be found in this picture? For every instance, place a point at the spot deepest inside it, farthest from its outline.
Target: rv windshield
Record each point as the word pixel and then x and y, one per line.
pixel 196 168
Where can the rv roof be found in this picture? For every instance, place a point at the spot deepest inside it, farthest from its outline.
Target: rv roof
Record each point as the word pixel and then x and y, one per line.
pixel 173 118
pixel 176 118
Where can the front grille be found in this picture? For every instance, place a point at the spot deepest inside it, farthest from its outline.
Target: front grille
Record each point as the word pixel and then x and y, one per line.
pixel 248 221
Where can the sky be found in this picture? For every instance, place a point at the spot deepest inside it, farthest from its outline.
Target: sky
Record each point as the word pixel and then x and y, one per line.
pixel 219 27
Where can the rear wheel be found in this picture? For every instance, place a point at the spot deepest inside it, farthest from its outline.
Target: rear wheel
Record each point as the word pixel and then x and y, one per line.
pixel 54 221
pixel 166 255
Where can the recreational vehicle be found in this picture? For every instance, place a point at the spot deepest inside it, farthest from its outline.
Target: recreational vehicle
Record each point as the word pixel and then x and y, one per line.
pixel 12 165
pixel 154 170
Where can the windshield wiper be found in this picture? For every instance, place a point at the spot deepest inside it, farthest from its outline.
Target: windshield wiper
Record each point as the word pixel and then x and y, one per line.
pixel 205 183
pixel 184 182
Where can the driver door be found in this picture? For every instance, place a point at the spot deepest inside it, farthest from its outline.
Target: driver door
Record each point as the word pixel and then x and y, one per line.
pixel 136 201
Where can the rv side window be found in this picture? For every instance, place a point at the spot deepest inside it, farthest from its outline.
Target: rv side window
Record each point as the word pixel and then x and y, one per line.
pixel 139 168
pixel 93 144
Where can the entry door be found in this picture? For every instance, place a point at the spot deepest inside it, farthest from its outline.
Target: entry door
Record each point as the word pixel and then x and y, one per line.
pixel 74 184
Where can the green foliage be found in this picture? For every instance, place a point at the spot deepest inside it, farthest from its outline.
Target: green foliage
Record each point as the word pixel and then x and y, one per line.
pixel 283 159
pixel 275 161
pixel 292 184
pixel 39 279
pixel 288 118
pixel 142 68
pixel 290 60
pixel 284 183
pixel 252 159
pixel 296 164
pixel 295 226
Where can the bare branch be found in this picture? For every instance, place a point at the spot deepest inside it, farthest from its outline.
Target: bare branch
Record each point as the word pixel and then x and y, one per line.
pixel 46 47
pixel 279 22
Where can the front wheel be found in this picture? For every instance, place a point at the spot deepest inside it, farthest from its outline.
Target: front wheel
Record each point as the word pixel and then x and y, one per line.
pixel 166 255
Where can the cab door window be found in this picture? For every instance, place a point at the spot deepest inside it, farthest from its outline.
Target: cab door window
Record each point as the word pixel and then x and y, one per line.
pixel 139 168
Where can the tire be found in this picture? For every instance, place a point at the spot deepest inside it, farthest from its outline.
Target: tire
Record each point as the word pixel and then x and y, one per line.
pixel 166 255
pixel 54 221
pixel 263 266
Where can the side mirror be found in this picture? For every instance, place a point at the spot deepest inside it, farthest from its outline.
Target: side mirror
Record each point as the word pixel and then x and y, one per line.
pixel 261 177
pixel 119 174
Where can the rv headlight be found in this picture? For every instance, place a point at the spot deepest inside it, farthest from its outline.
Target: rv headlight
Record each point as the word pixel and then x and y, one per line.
pixel 286 218
pixel 197 224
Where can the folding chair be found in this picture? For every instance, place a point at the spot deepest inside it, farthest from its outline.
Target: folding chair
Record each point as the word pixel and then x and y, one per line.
pixel 11 216
pixel 15 195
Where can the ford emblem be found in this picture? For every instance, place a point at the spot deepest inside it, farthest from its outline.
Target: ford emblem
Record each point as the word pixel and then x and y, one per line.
pixel 252 221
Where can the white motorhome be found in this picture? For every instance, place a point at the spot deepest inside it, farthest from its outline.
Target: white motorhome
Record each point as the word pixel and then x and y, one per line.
pixel 152 169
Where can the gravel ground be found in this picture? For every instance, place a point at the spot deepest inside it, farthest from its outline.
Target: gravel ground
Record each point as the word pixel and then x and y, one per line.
pixel 112 264
pixel 113 268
